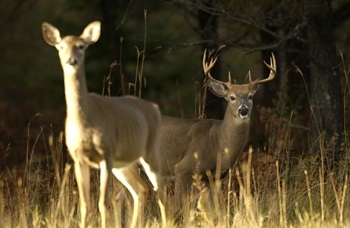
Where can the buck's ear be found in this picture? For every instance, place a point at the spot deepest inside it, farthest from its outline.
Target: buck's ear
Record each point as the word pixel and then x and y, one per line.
pixel 92 32
pixel 217 88
pixel 254 88
pixel 51 34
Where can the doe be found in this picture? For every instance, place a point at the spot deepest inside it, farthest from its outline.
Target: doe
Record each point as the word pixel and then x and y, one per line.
pixel 107 133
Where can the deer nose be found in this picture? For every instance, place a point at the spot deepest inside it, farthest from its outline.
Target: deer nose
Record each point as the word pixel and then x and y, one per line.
pixel 243 110
pixel 72 61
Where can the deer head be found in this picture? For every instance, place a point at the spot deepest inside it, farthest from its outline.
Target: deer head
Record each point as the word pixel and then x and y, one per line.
pixel 240 97
pixel 71 49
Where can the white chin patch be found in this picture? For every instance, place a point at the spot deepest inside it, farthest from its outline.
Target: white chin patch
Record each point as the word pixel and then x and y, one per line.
pixel 69 68
pixel 243 117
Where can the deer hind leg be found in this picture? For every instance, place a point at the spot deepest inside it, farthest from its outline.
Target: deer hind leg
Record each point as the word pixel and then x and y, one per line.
pixel 157 186
pixel 82 175
pixel 151 175
pixel 129 178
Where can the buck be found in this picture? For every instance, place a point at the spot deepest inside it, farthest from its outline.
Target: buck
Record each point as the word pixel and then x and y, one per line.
pixel 108 133
pixel 208 139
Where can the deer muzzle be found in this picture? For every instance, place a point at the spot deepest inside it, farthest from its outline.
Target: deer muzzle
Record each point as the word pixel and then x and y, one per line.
pixel 243 111
pixel 72 61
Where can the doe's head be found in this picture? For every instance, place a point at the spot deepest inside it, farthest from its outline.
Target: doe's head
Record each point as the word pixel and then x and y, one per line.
pixel 71 49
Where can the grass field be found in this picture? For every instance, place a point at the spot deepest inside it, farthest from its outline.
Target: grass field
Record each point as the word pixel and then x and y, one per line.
pixel 43 193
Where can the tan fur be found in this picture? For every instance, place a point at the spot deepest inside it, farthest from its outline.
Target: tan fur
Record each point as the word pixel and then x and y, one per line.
pixel 210 139
pixel 109 133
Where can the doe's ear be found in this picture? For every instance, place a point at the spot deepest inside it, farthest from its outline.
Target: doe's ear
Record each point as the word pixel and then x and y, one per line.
pixel 217 88
pixel 92 32
pixel 51 34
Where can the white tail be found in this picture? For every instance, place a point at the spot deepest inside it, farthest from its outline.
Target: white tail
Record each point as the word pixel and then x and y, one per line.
pixel 107 133
pixel 210 139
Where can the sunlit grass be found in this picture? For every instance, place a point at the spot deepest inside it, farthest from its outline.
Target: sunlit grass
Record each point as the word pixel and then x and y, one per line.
pixel 310 197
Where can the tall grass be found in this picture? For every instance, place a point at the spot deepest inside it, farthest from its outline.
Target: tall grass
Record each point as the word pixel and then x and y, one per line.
pixel 37 196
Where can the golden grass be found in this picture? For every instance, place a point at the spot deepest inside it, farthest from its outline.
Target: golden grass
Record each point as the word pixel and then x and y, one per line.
pixel 306 196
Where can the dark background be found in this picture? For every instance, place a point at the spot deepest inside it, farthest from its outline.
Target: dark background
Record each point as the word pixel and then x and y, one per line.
pixel 306 36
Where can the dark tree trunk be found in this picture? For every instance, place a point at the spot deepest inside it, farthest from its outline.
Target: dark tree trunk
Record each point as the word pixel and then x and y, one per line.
pixel 268 92
pixel 296 85
pixel 208 33
pixel 326 99
pixel 265 96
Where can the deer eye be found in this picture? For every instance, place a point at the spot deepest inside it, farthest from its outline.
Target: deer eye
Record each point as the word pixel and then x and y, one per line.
pixel 60 47
pixel 232 98
pixel 80 46
pixel 250 97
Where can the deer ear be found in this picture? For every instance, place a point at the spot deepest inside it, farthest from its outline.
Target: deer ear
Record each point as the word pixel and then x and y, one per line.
pixel 254 88
pixel 217 88
pixel 92 32
pixel 51 34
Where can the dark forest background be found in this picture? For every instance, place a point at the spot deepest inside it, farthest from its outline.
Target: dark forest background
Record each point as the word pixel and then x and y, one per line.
pixel 310 38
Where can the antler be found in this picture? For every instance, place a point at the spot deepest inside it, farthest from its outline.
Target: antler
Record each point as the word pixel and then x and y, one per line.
pixel 273 72
pixel 208 66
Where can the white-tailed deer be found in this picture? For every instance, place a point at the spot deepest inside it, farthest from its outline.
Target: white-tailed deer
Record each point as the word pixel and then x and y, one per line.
pixel 107 133
pixel 210 139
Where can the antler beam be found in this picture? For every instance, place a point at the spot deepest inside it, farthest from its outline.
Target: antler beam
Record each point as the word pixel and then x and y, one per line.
pixel 273 72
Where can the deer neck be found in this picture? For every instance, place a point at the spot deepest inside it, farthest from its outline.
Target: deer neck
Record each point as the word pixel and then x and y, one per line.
pixel 233 133
pixel 76 92
pixel 233 129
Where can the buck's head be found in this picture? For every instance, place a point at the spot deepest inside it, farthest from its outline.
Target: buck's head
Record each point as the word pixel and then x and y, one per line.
pixel 240 97
pixel 71 49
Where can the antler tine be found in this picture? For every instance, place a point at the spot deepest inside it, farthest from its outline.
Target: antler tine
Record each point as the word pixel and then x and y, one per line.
pixel 250 77
pixel 273 70
pixel 208 66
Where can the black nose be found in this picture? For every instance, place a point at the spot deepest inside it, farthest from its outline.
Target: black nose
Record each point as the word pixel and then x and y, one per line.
pixel 243 110
pixel 72 61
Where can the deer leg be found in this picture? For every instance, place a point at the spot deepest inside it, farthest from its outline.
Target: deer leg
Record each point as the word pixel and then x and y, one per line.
pixel 82 175
pixel 105 173
pixel 183 184
pixel 205 201
pixel 155 180
pixel 151 175
pixel 129 178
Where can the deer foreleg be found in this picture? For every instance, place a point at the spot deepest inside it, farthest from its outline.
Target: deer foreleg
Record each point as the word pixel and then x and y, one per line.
pixel 105 172
pixel 82 175
pixel 183 185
